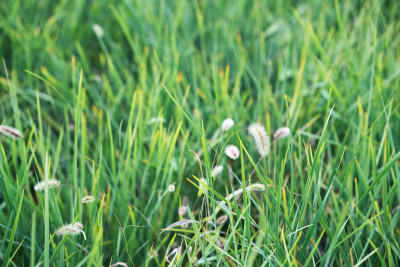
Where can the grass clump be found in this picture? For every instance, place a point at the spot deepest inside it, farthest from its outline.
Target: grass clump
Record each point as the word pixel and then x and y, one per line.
pixel 129 108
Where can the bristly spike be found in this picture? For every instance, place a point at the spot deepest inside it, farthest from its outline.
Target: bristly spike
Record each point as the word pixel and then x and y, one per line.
pixel 222 219
pixel 202 188
pixel 98 30
pixel 78 225
pixel 70 229
pixel 10 132
pixel 261 139
pixel 227 124
pixel 182 210
pixel 281 133
pixel 52 183
pixel 88 199
pixel 232 151
pixel 217 170
pixel 256 187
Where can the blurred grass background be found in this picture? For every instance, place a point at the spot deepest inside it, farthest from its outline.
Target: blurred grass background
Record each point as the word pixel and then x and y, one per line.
pixel 84 82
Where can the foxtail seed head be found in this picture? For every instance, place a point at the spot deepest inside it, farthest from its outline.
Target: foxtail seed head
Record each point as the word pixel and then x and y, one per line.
pixel 256 187
pixel 216 170
pixel 232 151
pixel 281 133
pixel 182 210
pixel 69 229
pixel 202 188
pixel 222 219
pixel 10 132
pixel 78 225
pixel 98 30
pixel 87 199
pixel 52 183
pixel 156 120
pixel 120 263
pixel 227 124
pixel 260 138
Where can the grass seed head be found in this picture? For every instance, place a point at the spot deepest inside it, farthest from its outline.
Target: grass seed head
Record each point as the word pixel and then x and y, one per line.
pixel 52 183
pixel 256 187
pixel 10 132
pixel 202 188
pixel 260 138
pixel 227 124
pixel 220 243
pixel 87 199
pixel 69 229
pixel 98 30
pixel 171 188
pixel 156 120
pixel 78 225
pixel 217 170
pixel 222 219
pixel 120 263
pixel 281 133
pixel 232 151
pixel 182 210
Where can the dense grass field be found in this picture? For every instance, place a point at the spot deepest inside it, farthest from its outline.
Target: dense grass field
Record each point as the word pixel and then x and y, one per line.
pixel 122 102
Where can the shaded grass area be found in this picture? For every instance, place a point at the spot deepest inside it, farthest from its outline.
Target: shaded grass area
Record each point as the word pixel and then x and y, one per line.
pixel 85 84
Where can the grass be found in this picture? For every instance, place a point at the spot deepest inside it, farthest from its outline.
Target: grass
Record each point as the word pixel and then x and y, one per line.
pixel 133 105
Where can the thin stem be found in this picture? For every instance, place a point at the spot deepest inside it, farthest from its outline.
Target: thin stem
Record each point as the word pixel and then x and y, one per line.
pixel 46 214
pixel 253 171
pixel 272 143
pixel 216 152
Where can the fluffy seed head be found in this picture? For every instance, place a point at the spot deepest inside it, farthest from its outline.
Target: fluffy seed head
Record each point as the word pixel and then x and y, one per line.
pixel 171 188
pixel 220 243
pixel 87 199
pixel 52 183
pixel 222 219
pixel 216 170
pixel 156 120
pixel 69 229
pixel 119 264
pixel 78 225
pixel 260 138
pixel 182 210
pixel 281 133
pixel 98 30
pixel 202 188
pixel 227 124
pixel 232 151
pixel 10 132
pixel 256 187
